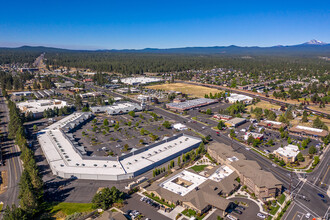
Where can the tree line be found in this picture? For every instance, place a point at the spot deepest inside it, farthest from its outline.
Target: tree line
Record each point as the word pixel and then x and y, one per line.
pixel 30 185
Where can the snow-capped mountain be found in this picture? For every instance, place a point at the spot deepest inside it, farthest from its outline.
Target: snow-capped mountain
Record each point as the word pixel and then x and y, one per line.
pixel 315 42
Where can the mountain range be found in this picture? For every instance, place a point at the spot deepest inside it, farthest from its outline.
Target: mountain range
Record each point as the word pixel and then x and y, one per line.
pixel 312 47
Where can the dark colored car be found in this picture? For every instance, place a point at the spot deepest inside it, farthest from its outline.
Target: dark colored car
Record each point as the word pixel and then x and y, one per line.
pixel 320 195
pixel 237 211
pixel 323 200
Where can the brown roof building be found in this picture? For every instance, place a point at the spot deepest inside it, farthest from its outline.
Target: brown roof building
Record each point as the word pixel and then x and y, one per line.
pixel 272 124
pixel 203 197
pixel 308 131
pixel 262 183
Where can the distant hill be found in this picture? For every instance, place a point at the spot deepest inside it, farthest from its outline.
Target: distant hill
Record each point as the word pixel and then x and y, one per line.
pixel 310 48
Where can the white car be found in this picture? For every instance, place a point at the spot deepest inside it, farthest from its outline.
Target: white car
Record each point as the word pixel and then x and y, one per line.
pixel 231 217
pixel 274 165
pixel 247 148
pixel 308 215
pixel 261 215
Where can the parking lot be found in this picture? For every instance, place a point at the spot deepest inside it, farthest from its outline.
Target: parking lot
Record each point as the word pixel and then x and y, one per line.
pixel 123 133
pixel 147 210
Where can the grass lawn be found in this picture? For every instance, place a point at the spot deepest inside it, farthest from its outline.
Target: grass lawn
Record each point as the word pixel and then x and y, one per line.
pixel 192 90
pixel 281 199
pixel 190 213
pixel 198 168
pixel 274 210
pixel 70 208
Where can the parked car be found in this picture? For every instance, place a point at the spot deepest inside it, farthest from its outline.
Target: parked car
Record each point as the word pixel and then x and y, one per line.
pixel 261 215
pixel 231 217
pixel 320 195
pixel 323 200
pixel 240 208
pixel 308 215
pixel 237 211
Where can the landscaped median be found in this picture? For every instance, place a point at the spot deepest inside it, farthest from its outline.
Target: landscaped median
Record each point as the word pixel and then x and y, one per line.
pixel 157 199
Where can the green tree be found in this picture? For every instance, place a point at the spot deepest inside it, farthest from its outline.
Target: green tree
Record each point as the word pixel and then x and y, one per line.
pixel 221 125
pixel 300 157
pixel 167 124
pixel 106 122
pixel 208 111
pixel 305 117
pixel 282 163
pixel 131 113
pixel 232 133
pixel 14 213
pixel 312 150
pixel 106 197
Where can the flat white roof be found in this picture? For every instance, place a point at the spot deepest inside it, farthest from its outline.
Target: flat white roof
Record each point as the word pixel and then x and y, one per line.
pixel 239 97
pixel 141 80
pixel 185 175
pixel 63 157
pixel 221 173
pixel 309 128
pixel 36 106
pixel 193 180
pixel 288 151
pixel 273 122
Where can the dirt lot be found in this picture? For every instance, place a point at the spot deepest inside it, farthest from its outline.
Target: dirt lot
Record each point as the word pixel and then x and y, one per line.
pixel 191 90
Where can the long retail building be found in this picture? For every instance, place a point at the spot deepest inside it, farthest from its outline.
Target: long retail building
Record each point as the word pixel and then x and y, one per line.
pixel 67 158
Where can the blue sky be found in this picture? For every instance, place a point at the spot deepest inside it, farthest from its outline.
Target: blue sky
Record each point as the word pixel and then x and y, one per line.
pixel 162 24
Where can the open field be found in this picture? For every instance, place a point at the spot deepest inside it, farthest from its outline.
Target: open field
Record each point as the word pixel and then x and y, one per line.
pixel 191 90
pixel 325 110
pixel 70 208
pixel 264 105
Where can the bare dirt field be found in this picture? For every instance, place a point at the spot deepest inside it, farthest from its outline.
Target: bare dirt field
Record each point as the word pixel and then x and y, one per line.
pixel 191 90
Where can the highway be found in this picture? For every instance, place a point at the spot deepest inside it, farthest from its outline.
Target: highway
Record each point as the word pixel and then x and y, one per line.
pixel 12 163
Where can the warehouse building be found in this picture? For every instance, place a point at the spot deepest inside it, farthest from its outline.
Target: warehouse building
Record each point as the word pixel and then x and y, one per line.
pixel 90 94
pixel 235 122
pixel 65 85
pixel 264 184
pixel 68 159
pixel 190 104
pixel 140 80
pixel 37 107
pixel 118 109
pixel 233 98
pixel 308 131
pixel 288 153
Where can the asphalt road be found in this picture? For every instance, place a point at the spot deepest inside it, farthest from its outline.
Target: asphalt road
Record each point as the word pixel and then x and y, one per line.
pixel 256 96
pixel 290 180
pixel 11 159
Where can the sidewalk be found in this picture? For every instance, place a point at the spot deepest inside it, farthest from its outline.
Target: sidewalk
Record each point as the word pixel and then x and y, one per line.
pixel 240 193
